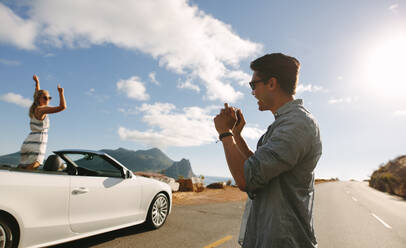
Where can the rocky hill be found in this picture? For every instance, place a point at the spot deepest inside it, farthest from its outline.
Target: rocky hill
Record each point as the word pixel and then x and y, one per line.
pixel 391 177
pixel 10 159
pixel 179 169
pixel 152 160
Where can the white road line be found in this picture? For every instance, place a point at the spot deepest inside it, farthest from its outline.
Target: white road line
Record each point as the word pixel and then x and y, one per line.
pixel 354 199
pixel 380 220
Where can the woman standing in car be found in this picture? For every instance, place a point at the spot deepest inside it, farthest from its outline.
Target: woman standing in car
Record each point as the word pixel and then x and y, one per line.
pixel 34 146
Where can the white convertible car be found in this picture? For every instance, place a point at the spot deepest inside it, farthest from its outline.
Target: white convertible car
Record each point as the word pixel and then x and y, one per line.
pixel 93 194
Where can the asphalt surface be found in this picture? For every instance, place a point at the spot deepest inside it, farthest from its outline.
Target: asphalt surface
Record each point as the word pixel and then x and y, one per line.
pixel 187 226
pixel 346 215
pixel 353 215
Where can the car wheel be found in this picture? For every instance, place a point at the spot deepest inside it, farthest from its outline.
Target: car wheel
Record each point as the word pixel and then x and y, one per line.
pixel 158 211
pixel 6 235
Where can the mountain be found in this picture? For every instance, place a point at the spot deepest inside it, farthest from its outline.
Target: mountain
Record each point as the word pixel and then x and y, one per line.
pixel 152 160
pixel 391 177
pixel 10 159
pixel 179 169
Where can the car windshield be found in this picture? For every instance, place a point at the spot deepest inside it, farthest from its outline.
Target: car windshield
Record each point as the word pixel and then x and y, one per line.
pixel 94 162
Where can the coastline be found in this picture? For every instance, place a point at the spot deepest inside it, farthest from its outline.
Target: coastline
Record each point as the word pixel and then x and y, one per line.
pixel 208 196
pixel 229 193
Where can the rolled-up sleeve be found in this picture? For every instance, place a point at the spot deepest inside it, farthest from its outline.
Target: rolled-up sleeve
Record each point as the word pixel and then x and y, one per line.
pixel 280 153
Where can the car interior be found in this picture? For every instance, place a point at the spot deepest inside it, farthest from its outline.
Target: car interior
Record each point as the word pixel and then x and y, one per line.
pixel 85 165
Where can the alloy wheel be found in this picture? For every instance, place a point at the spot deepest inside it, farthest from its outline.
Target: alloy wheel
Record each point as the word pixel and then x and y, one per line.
pixel 159 210
pixel 3 237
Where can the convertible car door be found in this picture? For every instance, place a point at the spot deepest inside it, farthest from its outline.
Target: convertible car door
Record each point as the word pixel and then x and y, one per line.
pixel 98 202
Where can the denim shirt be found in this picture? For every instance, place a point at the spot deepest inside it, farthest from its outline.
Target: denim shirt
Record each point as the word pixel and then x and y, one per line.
pixel 280 181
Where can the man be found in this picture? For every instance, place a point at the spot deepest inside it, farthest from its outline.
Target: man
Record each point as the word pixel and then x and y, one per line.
pixel 279 176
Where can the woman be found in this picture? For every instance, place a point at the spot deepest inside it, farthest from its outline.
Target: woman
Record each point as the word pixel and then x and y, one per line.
pixel 34 146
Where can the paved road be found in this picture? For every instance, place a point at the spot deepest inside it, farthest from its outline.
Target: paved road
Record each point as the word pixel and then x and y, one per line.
pixel 353 215
pixel 346 215
pixel 187 226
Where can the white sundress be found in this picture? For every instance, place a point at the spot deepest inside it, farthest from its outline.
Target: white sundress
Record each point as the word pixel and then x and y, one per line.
pixel 34 146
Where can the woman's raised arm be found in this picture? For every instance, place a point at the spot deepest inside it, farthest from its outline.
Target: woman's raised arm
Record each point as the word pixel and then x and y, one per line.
pixel 41 111
pixel 37 88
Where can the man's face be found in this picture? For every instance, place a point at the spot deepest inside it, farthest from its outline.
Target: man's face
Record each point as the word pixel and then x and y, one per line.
pixel 260 92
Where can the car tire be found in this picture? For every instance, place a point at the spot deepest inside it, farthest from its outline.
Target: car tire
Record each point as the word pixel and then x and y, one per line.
pixel 7 236
pixel 158 211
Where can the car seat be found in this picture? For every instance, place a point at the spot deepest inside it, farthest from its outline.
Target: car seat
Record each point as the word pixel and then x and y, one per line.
pixel 53 163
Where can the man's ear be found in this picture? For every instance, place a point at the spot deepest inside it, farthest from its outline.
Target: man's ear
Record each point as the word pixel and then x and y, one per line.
pixel 273 83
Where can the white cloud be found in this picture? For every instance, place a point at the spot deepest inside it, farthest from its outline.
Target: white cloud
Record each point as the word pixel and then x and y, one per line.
pixel 128 111
pixel 90 92
pixel 252 132
pixel 399 113
pixel 393 7
pixel 241 77
pixel 169 126
pixel 181 37
pixel 101 98
pixel 16 99
pixel 48 55
pixel 308 88
pixel 192 126
pixel 152 78
pixel 188 85
pixel 9 62
pixel 133 88
pixel 343 100
pixel 16 31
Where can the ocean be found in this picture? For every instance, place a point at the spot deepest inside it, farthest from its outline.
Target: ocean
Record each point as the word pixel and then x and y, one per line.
pixel 209 179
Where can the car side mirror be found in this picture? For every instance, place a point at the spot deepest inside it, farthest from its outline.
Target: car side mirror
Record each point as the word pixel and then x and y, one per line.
pixel 128 174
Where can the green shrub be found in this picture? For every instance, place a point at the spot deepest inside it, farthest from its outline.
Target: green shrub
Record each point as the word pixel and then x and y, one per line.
pixel 385 182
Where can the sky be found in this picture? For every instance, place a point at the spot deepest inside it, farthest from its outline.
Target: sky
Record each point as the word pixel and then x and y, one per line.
pixel 142 74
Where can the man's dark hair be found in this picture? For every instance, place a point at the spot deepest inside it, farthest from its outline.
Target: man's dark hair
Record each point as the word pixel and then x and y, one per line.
pixel 284 68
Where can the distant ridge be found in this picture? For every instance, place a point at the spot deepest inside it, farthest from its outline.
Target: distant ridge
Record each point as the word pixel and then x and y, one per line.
pixel 10 159
pixel 152 160
pixel 179 169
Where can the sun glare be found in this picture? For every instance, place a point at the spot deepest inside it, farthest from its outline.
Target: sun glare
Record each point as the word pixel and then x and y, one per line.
pixel 386 67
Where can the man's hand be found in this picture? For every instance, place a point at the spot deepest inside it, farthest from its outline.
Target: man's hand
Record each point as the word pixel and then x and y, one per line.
pixel 237 129
pixel 226 120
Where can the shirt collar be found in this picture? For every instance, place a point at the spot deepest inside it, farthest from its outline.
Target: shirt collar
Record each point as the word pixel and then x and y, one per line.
pixel 287 107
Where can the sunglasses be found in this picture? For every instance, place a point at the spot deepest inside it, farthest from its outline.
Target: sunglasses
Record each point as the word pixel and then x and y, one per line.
pixel 47 97
pixel 252 83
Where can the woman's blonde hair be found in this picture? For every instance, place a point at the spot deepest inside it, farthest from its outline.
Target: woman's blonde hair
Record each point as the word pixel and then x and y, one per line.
pixel 37 95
